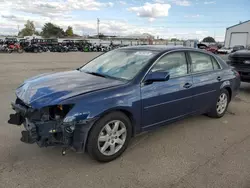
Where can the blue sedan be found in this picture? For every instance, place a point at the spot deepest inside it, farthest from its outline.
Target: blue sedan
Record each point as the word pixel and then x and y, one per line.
pixel 98 107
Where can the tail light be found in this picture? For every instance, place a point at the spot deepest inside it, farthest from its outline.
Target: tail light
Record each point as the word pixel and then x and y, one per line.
pixel 236 73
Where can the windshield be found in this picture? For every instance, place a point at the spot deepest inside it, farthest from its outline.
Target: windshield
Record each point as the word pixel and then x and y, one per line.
pixel 120 64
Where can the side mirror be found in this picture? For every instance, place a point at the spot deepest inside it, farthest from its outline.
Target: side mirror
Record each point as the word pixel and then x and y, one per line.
pixel 157 77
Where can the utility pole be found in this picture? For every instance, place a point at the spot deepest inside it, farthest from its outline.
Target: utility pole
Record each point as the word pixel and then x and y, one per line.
pixel 98 25
pixel 17 29
pixel 214 34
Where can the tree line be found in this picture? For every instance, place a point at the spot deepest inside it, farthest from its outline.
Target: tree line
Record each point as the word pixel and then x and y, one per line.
pixel 48 30
pixel 52 30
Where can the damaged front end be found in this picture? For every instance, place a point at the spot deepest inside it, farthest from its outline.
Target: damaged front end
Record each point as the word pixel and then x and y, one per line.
pixel 49 126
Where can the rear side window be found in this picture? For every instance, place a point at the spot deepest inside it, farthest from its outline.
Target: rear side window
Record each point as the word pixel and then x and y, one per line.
pixel 201 62
pixel 215 64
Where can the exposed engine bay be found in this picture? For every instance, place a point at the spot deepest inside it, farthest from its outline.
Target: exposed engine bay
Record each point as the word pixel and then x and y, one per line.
pixel 45 126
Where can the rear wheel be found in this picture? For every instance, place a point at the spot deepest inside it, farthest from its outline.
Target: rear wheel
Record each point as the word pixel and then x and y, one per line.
pixel 219 108
pixel 109 137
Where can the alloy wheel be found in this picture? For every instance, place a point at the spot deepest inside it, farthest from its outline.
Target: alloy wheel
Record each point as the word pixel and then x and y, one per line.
pixel 112 137
pixel 222 103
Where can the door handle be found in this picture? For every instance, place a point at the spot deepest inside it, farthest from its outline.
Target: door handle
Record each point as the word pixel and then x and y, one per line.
pixel 187 85
pixel 219 78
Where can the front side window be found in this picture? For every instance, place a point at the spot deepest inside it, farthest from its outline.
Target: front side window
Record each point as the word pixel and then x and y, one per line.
pixel 201 62
pixel 120 64
pixel 174 63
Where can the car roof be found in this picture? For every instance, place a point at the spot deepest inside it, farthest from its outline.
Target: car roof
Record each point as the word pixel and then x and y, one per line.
pixel 161 48
pixel 164 48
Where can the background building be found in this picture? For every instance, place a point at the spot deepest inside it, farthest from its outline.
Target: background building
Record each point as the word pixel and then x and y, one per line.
pixel 238 35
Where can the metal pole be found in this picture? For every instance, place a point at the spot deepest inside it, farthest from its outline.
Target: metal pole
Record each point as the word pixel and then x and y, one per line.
pixel 98 25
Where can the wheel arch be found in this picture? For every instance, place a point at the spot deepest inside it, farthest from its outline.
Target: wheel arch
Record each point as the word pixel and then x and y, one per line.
pixel 125 111
pixel 229 92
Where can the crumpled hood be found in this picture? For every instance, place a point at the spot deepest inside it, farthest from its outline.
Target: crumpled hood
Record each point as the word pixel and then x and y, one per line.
pixel 50 89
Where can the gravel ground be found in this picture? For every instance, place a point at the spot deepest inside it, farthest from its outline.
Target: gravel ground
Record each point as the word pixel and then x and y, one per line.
pixel 196 152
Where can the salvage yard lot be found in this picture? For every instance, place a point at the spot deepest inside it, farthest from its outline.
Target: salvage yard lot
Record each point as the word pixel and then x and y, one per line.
pixel 196 152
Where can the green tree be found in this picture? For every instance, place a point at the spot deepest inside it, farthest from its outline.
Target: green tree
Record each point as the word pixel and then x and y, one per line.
pixel 208 39
pixel 101 35
pixel 52 30
pixel 28 30
pixel 69 31
pixel 37 33
pixel 174 40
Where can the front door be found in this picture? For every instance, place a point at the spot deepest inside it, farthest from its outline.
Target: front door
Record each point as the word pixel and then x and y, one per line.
pixel 167 100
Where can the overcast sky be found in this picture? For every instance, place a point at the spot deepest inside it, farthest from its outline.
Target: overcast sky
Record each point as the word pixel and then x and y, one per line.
pixel 163 18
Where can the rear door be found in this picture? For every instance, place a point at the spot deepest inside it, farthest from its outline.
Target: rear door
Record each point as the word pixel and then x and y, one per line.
pixel 207 79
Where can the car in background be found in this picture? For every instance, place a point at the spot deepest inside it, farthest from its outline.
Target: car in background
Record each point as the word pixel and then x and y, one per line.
pixel 237 48
pixel 1 41
pixel 212 48
pixel 224 50
pixel 10 41
pixel 98 107
pixel 24 43
pixel 240 60
pixel 35 48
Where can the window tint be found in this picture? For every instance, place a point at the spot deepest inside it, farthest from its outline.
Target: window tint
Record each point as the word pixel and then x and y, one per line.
pixel 174 63
pixel 201 62
pixel 215 64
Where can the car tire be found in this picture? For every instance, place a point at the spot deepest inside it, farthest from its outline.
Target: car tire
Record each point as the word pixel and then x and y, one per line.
pixel 101 140
pixel 35 50
pixel 219 108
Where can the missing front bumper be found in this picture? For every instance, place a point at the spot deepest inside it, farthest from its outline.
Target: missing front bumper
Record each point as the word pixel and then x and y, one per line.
pixel 16 119
pixel 27 137
pixel 50 132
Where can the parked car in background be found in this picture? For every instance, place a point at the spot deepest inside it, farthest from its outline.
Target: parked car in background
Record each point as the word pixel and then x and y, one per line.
pixel 224 50
pixel 35 48
pixel 121 93
pixel 240 60
pixel 10 41
pixel 212 49
pixel 237 48
pixel 24 43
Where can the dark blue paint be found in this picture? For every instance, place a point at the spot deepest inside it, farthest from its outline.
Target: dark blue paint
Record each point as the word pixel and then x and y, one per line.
pixel 51 89
pixel 162 101
pixel 157 77
pixel 149 105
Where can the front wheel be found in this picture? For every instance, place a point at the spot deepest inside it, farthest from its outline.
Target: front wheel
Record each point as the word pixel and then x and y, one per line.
pixel 109 137
pixel 219 108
